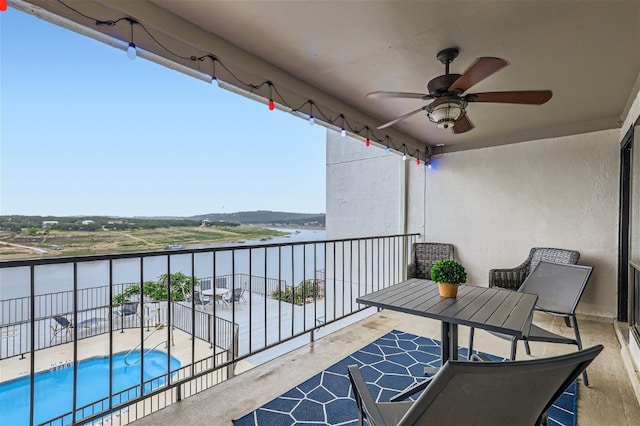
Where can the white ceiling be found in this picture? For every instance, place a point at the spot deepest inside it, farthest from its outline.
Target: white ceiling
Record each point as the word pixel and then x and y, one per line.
pixel 335 52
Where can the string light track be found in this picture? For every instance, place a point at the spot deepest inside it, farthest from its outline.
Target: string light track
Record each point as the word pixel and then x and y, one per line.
pixel 338 121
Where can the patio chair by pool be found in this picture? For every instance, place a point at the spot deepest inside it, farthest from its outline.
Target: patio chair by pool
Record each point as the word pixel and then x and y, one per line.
pixel 559 288
pixel 479 393
pixel 126 309
pixel 62 324
pixel 425 255
pixel 235 296
pixel 198 299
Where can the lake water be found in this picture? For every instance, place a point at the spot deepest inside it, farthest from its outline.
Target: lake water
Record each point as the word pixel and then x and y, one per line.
pixel 288 263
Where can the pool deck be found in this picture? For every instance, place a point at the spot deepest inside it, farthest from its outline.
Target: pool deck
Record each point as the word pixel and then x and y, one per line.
pixel 98 346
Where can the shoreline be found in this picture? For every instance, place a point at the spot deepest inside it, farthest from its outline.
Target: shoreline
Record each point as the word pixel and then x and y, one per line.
pixel 82 243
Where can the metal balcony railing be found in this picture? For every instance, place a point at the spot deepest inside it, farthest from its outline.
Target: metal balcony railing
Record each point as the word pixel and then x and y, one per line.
pixel 265 295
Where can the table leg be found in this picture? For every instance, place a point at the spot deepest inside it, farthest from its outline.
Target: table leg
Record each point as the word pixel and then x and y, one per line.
pixel 453 341
pixel 449 348
pixel 445 344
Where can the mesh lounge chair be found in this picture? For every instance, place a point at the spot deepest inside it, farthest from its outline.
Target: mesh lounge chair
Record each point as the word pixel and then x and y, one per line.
pixel 425 255
pixel 559 288
pixel 61 324
pixel 479 393
pixel 514 277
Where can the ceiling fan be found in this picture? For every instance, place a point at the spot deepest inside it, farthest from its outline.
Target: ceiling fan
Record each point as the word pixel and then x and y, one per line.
pixel 448 108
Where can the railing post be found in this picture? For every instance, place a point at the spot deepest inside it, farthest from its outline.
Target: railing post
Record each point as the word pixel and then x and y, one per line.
pixel 234 352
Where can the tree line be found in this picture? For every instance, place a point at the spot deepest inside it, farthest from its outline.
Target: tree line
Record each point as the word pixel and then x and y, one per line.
pixel 95 223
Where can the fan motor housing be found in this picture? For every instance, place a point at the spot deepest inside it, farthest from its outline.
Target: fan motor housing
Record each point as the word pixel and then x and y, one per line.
pixel 440 85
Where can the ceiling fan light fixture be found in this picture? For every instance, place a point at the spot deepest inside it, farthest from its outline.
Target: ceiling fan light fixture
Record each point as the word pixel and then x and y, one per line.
pixel 445 112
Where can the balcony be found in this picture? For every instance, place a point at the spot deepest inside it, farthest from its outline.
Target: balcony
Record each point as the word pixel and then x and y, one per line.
pixel 227 359
pixel 63 314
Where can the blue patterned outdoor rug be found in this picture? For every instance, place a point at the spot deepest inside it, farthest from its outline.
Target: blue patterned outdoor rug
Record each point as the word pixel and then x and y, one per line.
pixel 398 359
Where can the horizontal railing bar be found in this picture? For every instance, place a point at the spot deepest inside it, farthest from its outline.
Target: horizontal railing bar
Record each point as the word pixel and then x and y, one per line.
pixel 135 255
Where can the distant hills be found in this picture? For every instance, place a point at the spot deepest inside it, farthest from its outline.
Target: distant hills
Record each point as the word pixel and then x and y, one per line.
pixel 261 217
pixel 266 217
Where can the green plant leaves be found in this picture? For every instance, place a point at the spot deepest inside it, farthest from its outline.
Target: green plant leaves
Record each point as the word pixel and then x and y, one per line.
pixel 448 271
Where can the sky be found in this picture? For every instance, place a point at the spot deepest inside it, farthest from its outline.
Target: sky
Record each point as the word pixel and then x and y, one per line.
pixel 84 130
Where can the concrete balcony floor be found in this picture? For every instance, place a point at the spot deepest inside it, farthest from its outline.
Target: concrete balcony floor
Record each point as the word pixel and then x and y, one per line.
pixel 610 400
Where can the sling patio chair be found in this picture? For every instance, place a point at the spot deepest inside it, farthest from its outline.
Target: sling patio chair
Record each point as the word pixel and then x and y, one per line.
pixel 234 296
pixel 62 324
pixel 559 288
pixel 512 278
pixel 479 393
pixel 425 255
pixel 198 300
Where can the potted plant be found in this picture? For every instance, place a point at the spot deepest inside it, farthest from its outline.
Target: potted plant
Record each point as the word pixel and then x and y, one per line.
pixel 448 274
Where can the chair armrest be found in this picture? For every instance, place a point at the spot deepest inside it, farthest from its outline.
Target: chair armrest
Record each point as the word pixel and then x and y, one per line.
pixel 508 278
pixel 363 397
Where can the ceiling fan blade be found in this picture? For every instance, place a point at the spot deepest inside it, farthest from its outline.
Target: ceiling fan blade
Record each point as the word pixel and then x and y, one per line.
pixel 527 97
pixel 405 95
pixel 407 115
pixel 462 125
pixel 478 71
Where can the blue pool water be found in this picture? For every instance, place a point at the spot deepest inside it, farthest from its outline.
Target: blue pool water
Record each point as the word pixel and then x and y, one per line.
pixel 54 389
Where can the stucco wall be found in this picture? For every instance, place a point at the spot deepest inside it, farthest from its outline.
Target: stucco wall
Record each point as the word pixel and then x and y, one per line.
pixel 494 204
pixel 364 189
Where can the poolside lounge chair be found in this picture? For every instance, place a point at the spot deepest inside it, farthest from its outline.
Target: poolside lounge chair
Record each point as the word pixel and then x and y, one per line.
pixel 479 393
pixel 61 324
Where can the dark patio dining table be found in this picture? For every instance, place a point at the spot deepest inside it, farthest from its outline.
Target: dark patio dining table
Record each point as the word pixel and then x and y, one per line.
pixel 493 309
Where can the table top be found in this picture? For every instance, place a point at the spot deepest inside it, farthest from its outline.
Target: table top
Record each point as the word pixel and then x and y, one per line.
pixel 493 309
pixel 218 291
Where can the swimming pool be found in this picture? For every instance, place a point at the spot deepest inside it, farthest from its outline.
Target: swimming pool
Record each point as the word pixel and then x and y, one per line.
pixel 54 389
